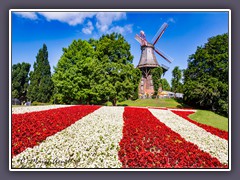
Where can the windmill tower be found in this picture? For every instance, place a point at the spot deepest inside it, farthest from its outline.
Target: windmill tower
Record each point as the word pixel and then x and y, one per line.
pixel 148 61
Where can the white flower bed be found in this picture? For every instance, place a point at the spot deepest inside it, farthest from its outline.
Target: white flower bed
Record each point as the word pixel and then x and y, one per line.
pixel 206 141
pixel 92 142
pixel 24 109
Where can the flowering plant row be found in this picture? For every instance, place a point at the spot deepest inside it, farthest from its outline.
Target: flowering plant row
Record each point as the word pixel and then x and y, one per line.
pixel 212 130
pixel 30 129
pixel 113 137
pixel 205 141
pixel 92 142
pixel 149 143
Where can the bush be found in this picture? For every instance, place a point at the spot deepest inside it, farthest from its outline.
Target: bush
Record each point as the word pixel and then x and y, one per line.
pixel 35 103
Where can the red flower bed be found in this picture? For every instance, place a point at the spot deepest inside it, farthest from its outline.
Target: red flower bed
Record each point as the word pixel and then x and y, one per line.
pixel 29 129
pixel 212 130
pixel 148 143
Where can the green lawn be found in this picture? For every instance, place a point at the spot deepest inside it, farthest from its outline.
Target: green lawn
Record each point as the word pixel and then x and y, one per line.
pixel 202 116
pixel 170 103
pixel 210 118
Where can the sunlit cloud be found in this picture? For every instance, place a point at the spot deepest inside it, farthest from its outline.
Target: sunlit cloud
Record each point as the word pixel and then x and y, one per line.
pixel 105 19
pixel 28 15
pixel 88 29
pixel 171 20
pixel 122 30
pixel 101 21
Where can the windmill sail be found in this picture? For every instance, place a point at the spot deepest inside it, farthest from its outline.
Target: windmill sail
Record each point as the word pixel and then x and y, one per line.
pixel 163 55
pixel 140 40
pixel 159 33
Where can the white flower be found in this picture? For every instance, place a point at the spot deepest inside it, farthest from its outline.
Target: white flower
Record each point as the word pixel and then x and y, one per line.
pixel 91 142
pixel 206 141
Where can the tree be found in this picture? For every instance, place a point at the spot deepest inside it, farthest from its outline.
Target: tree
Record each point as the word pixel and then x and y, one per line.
pixel 20 80
pixel 156 77
pixel 41 85
pixel 177 76
pixel 74 74
pixel 121 78
pixel 165 85
pixel 206 77
pixel 96 71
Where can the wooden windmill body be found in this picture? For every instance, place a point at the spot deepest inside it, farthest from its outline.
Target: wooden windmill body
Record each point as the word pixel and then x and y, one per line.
pixel 148 61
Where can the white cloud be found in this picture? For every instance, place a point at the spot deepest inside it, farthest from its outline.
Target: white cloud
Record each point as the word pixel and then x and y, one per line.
pixel 121 30
pixel 72 18
pixel 171 20
pixel 105 19
pixel 88 29
pixel 28 15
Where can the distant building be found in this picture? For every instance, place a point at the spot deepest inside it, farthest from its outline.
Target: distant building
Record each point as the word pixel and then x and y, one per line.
pixel 169 94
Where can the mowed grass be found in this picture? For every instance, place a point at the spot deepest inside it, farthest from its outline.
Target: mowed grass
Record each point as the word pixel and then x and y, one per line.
pixel 210 118
pixel 202 116
pixel 170 103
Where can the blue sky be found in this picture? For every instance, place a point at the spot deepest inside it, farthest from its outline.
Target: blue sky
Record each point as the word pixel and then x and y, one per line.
pixel 185 32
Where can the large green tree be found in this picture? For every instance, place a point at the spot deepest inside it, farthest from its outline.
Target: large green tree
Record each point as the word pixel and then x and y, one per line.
pixel 177 76
pixel 96 71
pixel 121 79
pixel 165 85
pixel 20 78
pixel 41 85
pixel 74 74
pixel 206 77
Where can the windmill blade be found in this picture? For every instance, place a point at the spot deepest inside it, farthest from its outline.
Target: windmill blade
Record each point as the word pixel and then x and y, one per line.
pixel 165 67
pixel 163 55
pixel 140 40
pixel 159 34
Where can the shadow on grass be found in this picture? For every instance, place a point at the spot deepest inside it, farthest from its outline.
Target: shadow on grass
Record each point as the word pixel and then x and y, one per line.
pixel 122 105
pixel 182 104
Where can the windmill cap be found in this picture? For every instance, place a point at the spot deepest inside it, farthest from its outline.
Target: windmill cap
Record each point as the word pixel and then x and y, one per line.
pixel 142 32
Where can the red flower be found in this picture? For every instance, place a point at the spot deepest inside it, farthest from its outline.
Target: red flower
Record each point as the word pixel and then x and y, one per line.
pixel 212 130
pixel 148 143
pixel 29 129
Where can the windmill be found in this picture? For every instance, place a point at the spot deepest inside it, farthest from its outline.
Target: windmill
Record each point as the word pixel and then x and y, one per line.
pixel 148 60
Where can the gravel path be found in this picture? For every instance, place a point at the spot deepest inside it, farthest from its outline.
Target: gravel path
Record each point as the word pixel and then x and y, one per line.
pixel 24 109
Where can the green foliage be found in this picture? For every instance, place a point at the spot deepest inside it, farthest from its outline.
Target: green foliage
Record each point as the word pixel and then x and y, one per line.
pixel 156 77
pixel 206 78
pixel 74 74
pixel 177 76
pixel 35 103
pixel 20 80
pixel 165 85
pixel 41 86
pixel 96 71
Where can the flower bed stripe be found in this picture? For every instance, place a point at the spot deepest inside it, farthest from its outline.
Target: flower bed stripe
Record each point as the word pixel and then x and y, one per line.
pixel 212 130
pixel 92 142
pixel 149 143
pixel 29 129
pixel 25 109
pixel 206 141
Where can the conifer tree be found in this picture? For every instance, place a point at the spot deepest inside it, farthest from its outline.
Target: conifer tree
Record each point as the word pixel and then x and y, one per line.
pixel 41 86
pixel 20 80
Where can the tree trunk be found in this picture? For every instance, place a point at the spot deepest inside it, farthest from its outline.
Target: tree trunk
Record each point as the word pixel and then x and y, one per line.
pixel 114 102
